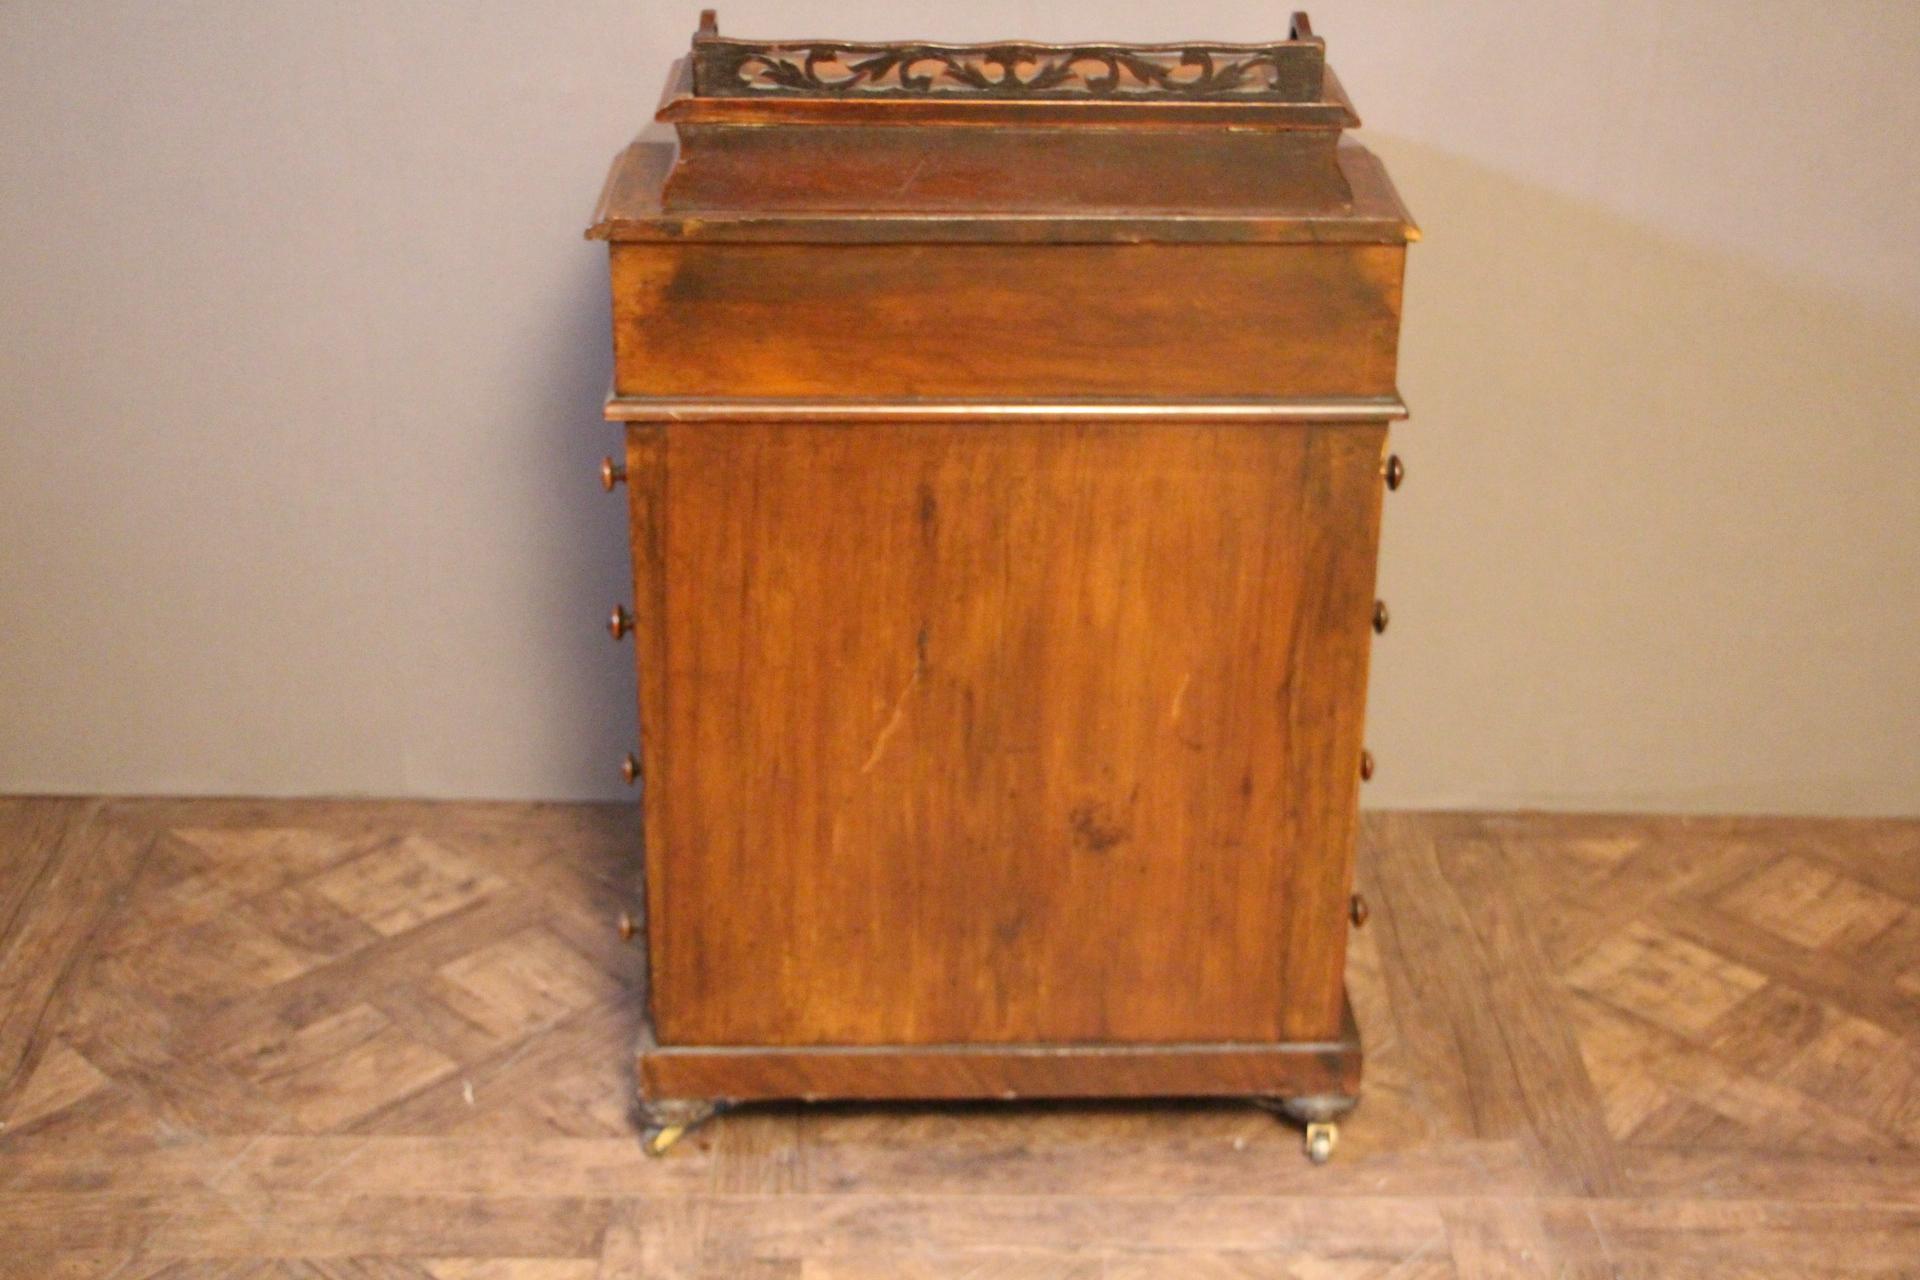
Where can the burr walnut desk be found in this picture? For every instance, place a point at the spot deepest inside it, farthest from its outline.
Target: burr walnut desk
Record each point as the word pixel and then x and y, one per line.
pixel 1005 445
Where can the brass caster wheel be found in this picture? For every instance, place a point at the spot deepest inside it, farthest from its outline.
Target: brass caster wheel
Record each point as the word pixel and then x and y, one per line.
pixel 664 1122
pixel 657 1142
pixel 1321 1140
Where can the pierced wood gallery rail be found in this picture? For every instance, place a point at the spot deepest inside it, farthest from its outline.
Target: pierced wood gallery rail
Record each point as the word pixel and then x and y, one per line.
pixel 1275 72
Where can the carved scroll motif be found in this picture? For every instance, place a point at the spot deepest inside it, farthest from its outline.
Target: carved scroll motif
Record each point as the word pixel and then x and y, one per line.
pixel 1288 72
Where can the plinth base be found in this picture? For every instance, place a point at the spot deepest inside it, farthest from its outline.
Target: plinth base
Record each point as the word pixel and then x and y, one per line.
pixel 748 1073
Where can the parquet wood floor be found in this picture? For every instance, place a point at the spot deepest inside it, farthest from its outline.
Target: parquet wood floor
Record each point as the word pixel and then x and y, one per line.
pixel 377 1040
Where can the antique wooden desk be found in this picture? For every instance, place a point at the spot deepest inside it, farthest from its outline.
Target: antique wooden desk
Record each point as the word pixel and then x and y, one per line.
pixel 1005 444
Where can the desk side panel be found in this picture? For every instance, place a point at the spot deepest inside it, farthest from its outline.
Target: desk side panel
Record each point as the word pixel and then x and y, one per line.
pixel 1007 732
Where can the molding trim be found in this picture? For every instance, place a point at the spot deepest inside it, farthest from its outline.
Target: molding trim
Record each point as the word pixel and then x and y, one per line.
pixel 1324 409
pixel 1301 1073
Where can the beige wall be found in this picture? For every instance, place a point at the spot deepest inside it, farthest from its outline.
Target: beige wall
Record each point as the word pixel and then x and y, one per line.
pixel 303 355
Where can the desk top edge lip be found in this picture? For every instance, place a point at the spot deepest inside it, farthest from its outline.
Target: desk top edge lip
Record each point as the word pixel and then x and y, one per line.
pixel 629 210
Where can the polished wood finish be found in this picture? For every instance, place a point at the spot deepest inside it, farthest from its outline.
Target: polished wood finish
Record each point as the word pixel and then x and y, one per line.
pixel 1007 170
pixel 1005 466
pixel 632 209
pixel 926 768
pixel 1144 322
pixel 1279 1070
pixel 1270 410
pixel 387 1039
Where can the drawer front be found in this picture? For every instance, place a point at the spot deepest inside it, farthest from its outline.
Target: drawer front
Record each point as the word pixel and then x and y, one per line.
pixel 1150 321
pixel 1000 731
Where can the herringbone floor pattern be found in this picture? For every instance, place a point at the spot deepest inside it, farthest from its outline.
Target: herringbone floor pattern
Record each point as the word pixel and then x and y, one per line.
pixel 391 1040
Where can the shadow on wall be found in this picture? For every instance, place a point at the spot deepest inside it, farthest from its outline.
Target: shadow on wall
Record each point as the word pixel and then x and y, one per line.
pixel 1658 547
pixel 587 718
pixel 582 717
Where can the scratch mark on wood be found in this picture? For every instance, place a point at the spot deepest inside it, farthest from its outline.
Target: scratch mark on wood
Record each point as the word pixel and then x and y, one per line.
pixel 892 725
pixel 1179 699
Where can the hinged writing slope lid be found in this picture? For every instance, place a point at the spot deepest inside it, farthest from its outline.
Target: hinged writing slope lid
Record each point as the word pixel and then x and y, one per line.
pixel 832 140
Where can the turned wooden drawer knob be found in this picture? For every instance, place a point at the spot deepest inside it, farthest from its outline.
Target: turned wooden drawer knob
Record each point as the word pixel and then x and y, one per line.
pixel 1379 617
pixel 1357 911
pixel 1394 470
pixel 611 474
pixel 619 622
pixel 627 927
pixel 630 769
pixel 1366 766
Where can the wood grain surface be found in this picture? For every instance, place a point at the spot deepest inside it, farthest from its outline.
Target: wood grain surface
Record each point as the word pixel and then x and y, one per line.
pixel 1152 321
pixel 888 169
pixel 1003 733
pixel 394 1040
pixel 1277 1072
pixel 630 210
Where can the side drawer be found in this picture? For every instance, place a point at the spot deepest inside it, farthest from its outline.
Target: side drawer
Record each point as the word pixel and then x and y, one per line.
pixel 1006 322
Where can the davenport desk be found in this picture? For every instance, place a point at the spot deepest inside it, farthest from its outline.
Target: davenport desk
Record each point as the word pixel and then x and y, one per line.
pixel 1005 443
